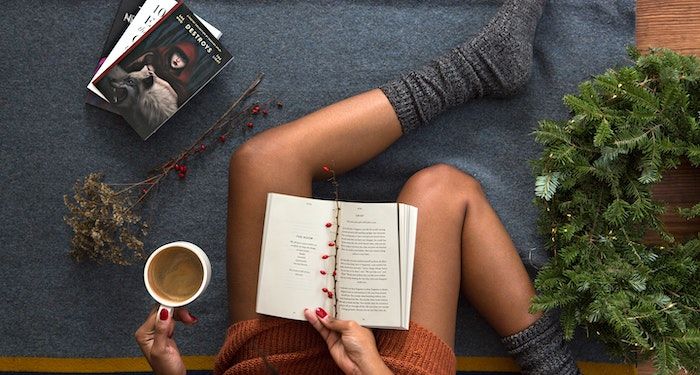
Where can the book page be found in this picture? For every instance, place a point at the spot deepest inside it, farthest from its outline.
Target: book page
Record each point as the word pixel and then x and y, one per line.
pixel 295 239
pixel 368 285
pixel 408 222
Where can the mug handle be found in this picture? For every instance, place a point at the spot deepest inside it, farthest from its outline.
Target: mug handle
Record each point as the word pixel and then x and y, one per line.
pixel 170 311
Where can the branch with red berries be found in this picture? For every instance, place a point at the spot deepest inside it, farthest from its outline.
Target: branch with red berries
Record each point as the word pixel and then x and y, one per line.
pixel 104 217
pixel 333 243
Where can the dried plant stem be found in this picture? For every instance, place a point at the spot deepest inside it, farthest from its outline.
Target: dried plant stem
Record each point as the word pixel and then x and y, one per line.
pixel 167 167
pixel 104 216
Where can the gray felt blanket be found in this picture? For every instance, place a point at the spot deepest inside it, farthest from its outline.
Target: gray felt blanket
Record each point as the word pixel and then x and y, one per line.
pixel 313 53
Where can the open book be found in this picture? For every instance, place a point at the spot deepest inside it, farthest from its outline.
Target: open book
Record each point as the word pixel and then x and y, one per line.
pixel 353 259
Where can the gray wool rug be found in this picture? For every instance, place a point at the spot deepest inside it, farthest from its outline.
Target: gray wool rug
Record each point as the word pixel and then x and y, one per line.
pixel 313 53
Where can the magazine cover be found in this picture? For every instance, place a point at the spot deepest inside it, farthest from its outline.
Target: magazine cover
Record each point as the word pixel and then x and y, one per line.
pixel 169 64
pixel 125 14
pixel 149 14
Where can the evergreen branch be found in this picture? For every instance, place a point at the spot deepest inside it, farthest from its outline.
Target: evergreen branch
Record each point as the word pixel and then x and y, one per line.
pixel 546 186
pixel 627 127
pixel 690 213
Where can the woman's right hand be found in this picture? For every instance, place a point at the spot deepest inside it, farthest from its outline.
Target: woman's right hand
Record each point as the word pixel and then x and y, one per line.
pixel 155 338
pixel 352 346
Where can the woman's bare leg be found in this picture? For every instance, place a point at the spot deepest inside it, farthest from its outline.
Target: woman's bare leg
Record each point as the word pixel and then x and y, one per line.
pixel 440 195
pixel 352 131
pixel 461 240
pixel 286 159
pixel 494 279
pixel 346 134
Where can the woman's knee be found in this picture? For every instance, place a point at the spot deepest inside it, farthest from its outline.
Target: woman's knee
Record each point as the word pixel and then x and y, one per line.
pixel 442 181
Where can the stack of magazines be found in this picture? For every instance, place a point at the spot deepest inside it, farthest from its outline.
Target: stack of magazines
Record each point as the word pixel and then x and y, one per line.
pixel 157 56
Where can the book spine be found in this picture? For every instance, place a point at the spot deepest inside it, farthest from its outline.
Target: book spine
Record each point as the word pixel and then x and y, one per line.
pixel 335 257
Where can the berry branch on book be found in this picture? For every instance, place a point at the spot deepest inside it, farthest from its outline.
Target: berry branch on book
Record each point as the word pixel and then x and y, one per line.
pixel 333 242
pixel 105 219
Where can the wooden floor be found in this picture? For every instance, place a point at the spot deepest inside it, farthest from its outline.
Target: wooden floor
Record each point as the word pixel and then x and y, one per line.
pixel 673 24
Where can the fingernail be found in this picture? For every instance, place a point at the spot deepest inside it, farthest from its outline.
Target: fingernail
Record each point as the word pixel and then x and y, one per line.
pixel 164 314
pixel 194 318
pixel 321 313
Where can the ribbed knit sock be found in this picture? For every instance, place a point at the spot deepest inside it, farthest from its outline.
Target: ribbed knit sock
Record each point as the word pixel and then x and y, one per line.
pixel 540 349
pixel 495 63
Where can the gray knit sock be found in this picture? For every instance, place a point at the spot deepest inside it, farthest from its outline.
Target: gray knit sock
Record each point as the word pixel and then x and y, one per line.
pixel 495 63
pixel 540 349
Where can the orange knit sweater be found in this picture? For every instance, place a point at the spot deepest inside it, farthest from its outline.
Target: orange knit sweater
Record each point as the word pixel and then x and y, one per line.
pixel 294 347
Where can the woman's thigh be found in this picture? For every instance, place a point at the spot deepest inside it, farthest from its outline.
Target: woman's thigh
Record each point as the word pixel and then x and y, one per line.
pixel 440 193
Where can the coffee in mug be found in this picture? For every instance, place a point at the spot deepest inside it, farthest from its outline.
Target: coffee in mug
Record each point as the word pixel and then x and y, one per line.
pixel 177 273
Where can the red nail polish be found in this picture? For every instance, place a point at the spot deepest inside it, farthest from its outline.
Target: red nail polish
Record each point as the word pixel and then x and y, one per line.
pixel 321 313
pixel 164 314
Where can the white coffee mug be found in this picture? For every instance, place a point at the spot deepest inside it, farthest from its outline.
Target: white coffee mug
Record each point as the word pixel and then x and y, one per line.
pixel 176 274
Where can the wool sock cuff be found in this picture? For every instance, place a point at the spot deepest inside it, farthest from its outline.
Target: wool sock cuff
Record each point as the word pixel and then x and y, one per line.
pixel 540 349
pixel 404 104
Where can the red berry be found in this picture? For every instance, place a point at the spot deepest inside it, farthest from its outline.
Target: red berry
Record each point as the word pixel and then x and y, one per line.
pixel 177 167
pixel 325 256
pixel 250 124
pixel 326 169
pixel 331 244
pixel 255 109
pixel 323 272
pixel 144 190
pixel 222 138
pixel 334 273
pixel 328 225
pixel 330 294
pixel 183 168
pixel 325 290
pixel 202 147
pixel 264 112
pixel 181 175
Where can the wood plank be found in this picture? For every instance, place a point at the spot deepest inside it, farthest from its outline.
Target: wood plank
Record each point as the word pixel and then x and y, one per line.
pixel 673 24
pixel 678 188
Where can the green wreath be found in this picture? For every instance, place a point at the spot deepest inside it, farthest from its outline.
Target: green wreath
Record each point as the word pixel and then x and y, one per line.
pixel 627 127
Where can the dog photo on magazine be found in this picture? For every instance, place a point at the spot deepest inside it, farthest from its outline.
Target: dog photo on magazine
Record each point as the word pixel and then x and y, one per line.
pixel 162 71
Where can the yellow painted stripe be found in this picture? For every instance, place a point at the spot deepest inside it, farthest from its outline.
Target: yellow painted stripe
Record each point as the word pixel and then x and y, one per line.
pixel 494 364
pixel 600 368
pixel 93 365
pixel 139 364
pixel 507 364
